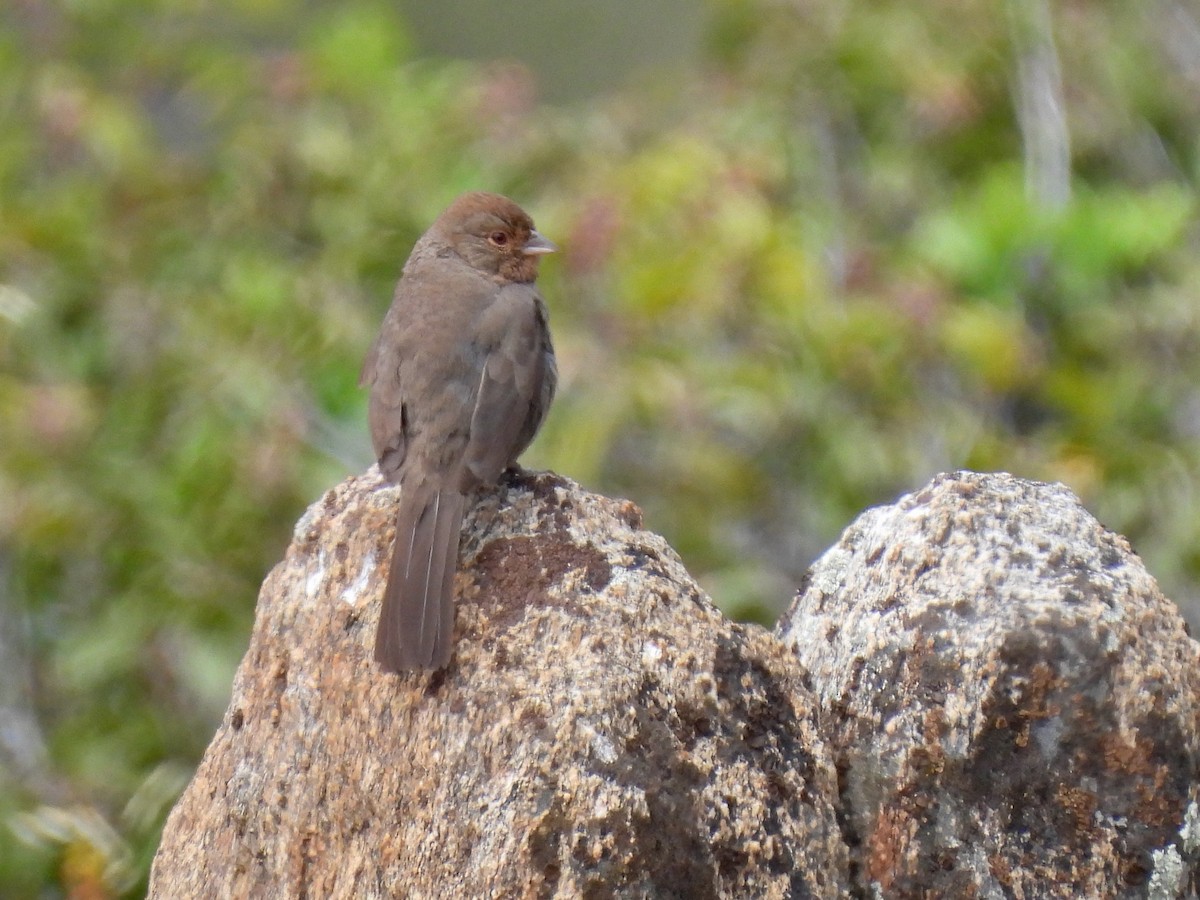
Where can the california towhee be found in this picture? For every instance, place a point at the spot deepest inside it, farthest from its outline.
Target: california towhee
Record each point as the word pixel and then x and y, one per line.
pixel 461 376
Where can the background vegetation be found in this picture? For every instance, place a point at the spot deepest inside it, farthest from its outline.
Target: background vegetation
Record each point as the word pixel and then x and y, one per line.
pixel 843 248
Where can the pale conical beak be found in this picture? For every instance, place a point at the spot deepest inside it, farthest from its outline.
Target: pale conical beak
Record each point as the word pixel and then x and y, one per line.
pixel 537 245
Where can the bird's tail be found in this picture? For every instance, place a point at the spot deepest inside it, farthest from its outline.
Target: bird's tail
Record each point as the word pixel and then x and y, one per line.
pixel 416 624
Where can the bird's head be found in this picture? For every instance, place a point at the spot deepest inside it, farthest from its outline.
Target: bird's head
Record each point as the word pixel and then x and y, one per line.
pixel 494 235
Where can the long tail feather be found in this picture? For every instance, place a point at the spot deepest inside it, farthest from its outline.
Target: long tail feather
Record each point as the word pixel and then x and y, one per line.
pixel 416 623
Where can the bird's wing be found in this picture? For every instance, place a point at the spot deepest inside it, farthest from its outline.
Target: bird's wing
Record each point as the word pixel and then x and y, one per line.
pixel 511 382
pixel 387 408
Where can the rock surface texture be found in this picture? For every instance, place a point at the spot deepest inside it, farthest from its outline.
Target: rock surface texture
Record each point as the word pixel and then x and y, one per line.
pixel 1014 706
pixel 602 730
pixel 979 692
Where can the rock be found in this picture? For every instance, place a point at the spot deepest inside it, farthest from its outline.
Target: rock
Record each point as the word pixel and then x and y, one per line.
pixel 1013 705
pixel 602 730
pixel 979 692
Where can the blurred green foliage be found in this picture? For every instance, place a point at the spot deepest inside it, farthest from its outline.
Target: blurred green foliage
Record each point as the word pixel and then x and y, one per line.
pixel 817 270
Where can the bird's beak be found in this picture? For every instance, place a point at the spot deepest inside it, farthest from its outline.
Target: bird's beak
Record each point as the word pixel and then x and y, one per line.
pixel 537 245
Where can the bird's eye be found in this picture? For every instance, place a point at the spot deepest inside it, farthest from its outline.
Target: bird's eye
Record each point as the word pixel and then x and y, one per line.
pixel 499 238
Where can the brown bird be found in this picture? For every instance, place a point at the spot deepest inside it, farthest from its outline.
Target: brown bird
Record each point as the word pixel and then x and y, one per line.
pixel 461 377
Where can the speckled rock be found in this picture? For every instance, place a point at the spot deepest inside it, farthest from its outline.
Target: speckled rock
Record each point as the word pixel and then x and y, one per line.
pixel 1014 706
pixel 601 731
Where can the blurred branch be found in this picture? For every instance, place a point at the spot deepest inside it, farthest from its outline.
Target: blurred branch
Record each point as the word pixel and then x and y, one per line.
pixel 1182 39
pixel 1041 107
pixel 343 442
pixel 22 745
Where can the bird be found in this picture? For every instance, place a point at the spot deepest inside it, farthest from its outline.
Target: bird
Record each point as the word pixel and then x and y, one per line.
pixel 461 377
